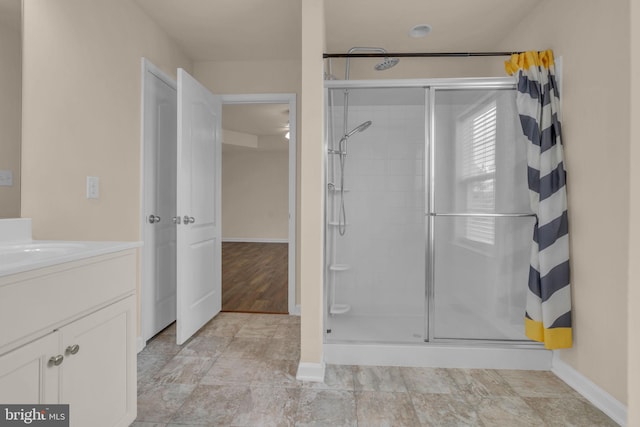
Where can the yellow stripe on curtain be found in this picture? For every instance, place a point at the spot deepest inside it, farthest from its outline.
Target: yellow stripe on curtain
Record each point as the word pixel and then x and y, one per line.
pixel 524 61
pixel 552 338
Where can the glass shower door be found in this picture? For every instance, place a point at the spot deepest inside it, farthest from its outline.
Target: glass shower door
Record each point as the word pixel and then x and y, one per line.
pixel 375 242
pixel 480 220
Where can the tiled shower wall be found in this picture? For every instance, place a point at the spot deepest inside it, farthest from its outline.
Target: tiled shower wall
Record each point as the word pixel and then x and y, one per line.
pixel 384 243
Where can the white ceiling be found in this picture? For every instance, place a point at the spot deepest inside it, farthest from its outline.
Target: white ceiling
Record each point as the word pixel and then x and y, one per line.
pixel 236 30
pixel 263 120
pixel 256 119
pixel 457 25
pixel 231 30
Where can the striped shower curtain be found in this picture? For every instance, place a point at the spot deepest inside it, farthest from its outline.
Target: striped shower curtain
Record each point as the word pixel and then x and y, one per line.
pixel 548 313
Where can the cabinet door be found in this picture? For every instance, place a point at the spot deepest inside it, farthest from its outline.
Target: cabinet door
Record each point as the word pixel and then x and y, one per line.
pixel 25 374
pixel 99 375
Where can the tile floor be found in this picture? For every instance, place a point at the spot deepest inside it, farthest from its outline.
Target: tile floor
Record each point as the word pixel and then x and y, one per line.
pixel 239 370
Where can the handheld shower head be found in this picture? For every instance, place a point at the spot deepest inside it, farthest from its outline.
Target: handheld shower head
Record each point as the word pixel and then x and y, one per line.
pixel 342 150
pixel 359 128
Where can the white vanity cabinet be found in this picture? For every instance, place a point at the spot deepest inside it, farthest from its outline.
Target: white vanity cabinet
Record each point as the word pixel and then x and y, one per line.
pixel 67 335
pixel 94 380
pixel 24 375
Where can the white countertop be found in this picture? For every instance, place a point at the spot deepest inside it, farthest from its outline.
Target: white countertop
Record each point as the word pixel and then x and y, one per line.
pixel 21 256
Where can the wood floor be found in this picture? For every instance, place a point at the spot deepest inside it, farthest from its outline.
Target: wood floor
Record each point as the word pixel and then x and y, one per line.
pixel 255 277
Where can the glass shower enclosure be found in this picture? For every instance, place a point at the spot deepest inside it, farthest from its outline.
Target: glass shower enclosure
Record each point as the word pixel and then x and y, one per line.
pixel 428 224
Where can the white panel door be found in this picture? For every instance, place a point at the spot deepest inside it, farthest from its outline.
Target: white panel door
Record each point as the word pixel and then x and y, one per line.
pixel 160 116
pixel 199 280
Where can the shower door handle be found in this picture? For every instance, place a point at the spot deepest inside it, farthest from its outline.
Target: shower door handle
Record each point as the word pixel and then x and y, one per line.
pixel 482 214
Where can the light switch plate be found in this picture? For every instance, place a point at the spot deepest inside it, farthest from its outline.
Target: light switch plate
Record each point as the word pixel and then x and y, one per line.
pixel 93 187
pixel 6 178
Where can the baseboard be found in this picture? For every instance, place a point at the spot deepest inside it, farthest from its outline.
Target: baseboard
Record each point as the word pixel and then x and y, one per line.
pixel 254 240
pixel 593 393
pixel 313 372
pixel 140 344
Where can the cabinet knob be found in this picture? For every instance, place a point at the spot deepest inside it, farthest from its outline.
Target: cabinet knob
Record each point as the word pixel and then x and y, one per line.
pixel 73 349
pixel 56 360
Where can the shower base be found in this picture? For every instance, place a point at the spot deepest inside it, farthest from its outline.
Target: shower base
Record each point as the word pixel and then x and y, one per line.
pixel 400 329
pixel 398 341
pixel 435 355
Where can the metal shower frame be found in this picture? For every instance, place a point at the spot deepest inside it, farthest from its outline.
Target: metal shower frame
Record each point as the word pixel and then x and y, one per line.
pixel 430 86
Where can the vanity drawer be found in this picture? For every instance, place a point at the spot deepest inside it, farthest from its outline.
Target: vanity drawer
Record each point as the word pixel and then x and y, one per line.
pixel 36 302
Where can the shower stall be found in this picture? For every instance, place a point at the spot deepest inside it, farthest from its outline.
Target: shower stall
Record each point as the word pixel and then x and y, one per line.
pixel 428 225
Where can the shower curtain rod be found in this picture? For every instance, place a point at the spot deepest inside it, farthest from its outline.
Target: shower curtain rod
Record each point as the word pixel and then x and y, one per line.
pixel 414 54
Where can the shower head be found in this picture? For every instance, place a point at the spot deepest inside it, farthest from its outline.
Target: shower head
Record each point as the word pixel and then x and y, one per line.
pixel 359 128
pixel 386 64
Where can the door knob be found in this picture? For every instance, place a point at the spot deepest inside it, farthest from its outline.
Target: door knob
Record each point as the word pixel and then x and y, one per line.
pixel 73 349
pixel 153 219
pixel 56 360
pixel 188 219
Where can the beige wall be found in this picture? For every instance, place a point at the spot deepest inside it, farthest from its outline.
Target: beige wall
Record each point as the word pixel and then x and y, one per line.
pixel 249 77
pixel 238 77
pixel 255 193
pixel 82 114
pixel 593 39
pixel 10 111
pixel 633 402
pixel 311 167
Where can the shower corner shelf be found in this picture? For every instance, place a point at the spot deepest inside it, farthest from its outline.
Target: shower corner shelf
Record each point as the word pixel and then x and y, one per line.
pixel 339 267
pixel 339 308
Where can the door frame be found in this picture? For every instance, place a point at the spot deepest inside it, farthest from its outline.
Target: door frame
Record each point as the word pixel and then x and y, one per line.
pixel 147 67
pixel 290 99
pixel 269 98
